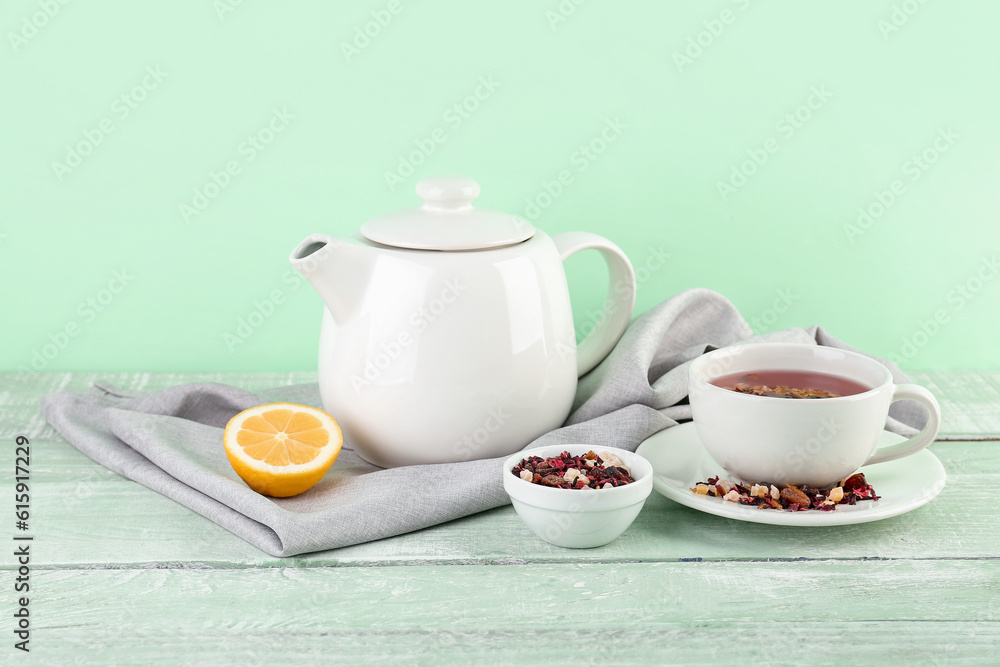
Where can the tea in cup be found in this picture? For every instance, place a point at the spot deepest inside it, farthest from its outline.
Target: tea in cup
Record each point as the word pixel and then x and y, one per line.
pixel 789 413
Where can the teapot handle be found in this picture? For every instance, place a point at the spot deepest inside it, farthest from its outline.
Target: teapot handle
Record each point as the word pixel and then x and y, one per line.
pixel 617 310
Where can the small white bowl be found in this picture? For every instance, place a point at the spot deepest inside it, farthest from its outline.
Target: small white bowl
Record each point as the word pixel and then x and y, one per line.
pixel 578 518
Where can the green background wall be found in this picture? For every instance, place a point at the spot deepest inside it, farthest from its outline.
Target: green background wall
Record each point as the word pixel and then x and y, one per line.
pixel 829 107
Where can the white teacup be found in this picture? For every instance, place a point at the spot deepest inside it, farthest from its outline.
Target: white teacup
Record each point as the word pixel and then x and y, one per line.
pixel 799 441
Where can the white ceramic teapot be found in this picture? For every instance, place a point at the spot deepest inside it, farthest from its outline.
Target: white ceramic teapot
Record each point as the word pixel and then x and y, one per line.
pixel 448 334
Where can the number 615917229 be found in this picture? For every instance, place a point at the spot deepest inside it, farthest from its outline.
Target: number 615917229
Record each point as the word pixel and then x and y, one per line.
pixel 22 476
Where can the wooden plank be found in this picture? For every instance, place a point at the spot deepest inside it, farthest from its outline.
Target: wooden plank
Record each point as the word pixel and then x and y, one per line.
pixel 773 643
pixel 143 580
pixel 84 514
pixel 891 612
pixel 89 515
pixel 21 393
pixel 970 402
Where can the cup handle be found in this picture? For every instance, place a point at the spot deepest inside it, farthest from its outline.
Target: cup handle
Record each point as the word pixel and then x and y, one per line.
pixel 920 440
pixel 621 295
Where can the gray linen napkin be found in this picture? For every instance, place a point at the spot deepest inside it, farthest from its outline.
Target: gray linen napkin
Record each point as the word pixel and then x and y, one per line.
pixel 171 440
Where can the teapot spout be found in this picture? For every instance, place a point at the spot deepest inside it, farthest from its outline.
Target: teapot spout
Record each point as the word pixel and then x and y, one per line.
pixel 339 270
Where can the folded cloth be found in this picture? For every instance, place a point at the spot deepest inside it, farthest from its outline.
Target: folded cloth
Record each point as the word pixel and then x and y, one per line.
pixel 171 440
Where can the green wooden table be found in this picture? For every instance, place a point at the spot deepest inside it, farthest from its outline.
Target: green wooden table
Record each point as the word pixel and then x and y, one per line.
pixel 122 575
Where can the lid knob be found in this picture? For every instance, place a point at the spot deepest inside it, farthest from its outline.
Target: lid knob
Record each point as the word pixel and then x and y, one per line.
pixel 447 193
pixel 447 220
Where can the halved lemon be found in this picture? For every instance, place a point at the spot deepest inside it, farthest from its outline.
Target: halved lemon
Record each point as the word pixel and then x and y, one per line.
pixel 282 449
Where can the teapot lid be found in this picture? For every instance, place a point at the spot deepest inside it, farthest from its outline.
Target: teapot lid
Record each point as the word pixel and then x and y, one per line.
pixel 447 220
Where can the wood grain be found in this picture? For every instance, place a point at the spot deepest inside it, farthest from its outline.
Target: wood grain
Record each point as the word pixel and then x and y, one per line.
pixel 123 575
pixel 86 516
pixel 894 612
pixel 970 400
pixel 89 516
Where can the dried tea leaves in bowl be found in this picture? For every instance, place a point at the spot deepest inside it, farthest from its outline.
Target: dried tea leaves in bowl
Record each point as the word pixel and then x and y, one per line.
pixel 585 471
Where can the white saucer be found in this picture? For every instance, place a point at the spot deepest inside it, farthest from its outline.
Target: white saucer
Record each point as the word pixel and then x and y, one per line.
pixel 680 461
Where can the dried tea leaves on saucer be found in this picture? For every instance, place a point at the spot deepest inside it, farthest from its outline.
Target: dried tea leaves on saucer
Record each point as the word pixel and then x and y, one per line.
pixel 791 498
